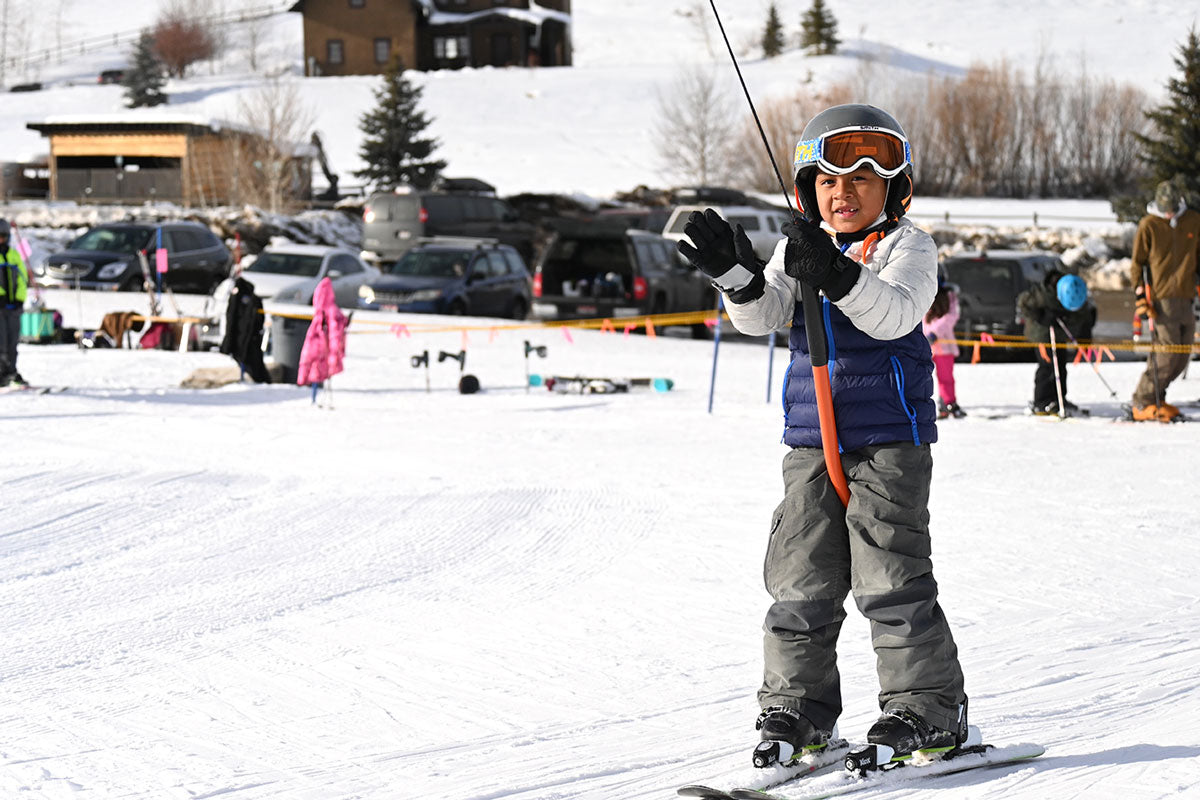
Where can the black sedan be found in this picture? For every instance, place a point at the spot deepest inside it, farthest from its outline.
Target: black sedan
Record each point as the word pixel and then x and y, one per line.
pixel 118 256
pixel 480 277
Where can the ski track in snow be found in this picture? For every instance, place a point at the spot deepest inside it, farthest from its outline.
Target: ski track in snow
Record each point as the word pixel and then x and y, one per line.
pixel 235 594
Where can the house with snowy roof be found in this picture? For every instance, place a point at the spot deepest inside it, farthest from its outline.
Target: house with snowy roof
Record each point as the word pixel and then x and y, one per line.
pixel 361 37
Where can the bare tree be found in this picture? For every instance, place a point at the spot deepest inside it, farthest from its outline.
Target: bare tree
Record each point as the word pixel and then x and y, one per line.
pixel 183 35
pixel 695 127
pixel 783 120
pixel 269 164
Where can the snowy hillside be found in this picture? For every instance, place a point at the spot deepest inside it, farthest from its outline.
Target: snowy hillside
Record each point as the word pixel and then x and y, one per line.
pixel 593 123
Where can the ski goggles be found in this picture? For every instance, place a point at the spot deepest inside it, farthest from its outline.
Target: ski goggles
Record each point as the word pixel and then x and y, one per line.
pixel 844 150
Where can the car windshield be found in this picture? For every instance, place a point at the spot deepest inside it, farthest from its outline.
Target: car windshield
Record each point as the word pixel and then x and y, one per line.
pixel 298 264
pixel 983 279
pixel 114 240
pixel 432 263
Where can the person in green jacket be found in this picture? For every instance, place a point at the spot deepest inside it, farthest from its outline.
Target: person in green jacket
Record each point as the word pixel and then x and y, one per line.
pixel 14 283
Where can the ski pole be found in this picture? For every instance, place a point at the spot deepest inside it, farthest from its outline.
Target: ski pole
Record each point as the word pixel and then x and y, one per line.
pixel 1095 368
pixel 1062 405
pixel 814 324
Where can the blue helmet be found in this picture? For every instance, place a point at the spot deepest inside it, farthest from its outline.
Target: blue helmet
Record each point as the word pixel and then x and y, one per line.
pixel 1072 292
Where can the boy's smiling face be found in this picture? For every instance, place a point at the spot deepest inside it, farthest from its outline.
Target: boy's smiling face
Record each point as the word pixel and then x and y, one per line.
pixel 850 202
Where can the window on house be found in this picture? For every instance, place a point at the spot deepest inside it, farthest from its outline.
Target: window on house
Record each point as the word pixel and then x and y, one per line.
pixel 335 51
pixel 383 51
pixel 451 48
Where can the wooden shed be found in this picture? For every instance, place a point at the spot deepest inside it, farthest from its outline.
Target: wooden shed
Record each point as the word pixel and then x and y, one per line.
pixel 175 159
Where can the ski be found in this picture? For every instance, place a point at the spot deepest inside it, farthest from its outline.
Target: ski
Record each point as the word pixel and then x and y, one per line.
pixel 11 389
pixel 916 768
pixel 579 384
pixel 827 759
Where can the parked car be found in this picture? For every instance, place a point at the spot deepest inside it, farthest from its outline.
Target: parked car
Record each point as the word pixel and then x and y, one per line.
pixel 111 76
pixel 289 273
pixel 480 277
pixel 989 283
pixel 393 221
pixel 761 224
pixel 646 218
pixel 592 271
pixel 107 257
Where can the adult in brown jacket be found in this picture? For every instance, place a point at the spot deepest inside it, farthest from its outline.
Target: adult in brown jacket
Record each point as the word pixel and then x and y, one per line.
pixel 1168 243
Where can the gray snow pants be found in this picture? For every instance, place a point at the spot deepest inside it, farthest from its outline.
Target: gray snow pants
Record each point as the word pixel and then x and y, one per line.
pixel 878 548
pixel 1174 324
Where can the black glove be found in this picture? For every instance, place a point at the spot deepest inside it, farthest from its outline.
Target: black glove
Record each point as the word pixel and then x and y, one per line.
pixel 1046 317
pixel 811 256
pixel 725 256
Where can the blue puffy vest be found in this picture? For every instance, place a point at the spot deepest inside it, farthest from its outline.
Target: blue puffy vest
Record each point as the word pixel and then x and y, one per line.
pixel 882 390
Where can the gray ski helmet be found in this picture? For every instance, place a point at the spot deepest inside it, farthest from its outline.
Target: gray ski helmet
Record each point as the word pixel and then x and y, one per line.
pixel 850 116
pixel 5 228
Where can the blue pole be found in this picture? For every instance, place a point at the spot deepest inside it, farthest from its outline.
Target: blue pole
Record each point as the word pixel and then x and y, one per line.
pixel 712 383
pixel 770 362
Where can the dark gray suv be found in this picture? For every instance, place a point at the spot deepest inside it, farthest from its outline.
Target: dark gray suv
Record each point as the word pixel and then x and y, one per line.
pixel 393 221
pixel 595 271
pixel 989 283
pixel 109 257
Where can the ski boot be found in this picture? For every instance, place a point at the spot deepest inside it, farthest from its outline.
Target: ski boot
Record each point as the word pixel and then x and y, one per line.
pixel 1154 413
pixel 900 734
pixel 953 410
pixel 787 735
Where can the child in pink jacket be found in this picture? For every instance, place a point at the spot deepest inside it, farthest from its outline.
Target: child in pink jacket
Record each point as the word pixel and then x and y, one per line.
pixel 325 343
pixel 938 327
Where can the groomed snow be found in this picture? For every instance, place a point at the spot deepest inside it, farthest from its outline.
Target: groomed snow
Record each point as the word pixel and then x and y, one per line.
pixel 235 593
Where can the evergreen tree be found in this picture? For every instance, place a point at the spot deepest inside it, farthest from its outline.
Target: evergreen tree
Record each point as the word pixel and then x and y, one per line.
pixel 819 30
pixel 392 148
pixel 1175 154
pixel 144 81
pixel 772 39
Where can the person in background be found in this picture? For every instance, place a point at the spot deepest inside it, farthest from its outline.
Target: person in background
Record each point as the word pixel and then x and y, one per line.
pixel 1166 245
pixel 14 284
pixel 1059 301
pixel 938 327
pixel 878 274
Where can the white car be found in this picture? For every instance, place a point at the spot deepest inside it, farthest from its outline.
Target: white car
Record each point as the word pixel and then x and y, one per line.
pixel 289 273
pixel 761 224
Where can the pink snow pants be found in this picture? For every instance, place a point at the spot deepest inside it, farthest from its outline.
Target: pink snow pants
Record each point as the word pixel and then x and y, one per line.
pixel 945 378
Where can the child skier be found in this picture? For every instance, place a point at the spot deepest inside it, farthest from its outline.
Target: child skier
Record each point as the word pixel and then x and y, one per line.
pixel 878 274
pixel 938 327
pixel 1059 301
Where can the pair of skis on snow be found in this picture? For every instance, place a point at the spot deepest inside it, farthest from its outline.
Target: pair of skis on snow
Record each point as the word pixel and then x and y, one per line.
pixel 837 770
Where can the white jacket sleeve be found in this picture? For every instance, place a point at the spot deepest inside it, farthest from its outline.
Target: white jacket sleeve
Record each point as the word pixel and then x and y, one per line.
pixel 894 290
pixel 897 285
pixel 775 309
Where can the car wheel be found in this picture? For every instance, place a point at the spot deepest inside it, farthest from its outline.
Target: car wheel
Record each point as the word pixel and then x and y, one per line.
pixel 132 284
pixel 518 310
pixel 457 309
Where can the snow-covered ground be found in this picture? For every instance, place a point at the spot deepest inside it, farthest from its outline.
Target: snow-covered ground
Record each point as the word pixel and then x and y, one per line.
pixel 235 593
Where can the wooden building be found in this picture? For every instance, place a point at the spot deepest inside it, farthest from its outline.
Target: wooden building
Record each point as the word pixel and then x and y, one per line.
pixel 361 37
pixel 175 159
